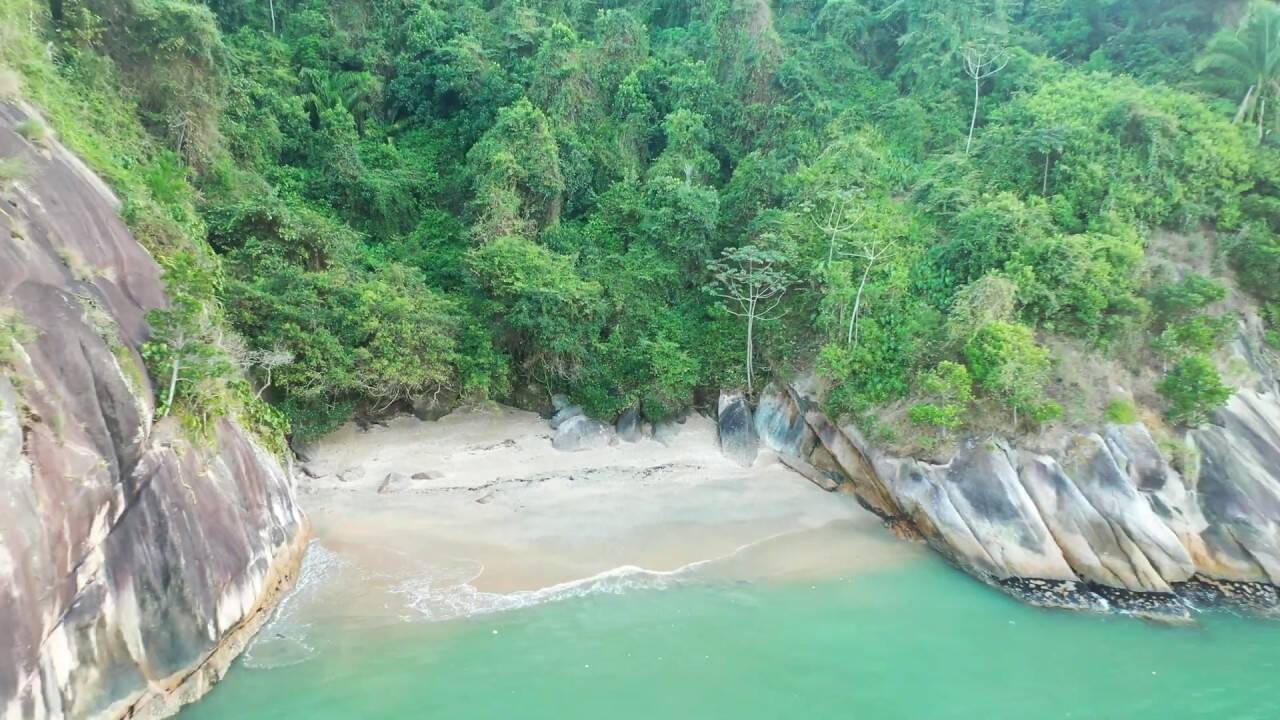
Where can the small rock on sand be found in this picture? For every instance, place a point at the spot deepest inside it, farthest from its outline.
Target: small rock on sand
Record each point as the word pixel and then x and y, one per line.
pixel 393 482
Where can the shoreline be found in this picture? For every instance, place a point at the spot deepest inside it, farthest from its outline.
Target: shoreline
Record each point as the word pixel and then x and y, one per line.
pixel 496 518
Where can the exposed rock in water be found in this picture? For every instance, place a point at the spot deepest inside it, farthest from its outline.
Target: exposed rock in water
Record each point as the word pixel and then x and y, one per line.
pixel 632 427
pixel 351 474
pixel 580 432
pixel 428 475
pixel 135 564
pixel 738 439
pixel 1101 521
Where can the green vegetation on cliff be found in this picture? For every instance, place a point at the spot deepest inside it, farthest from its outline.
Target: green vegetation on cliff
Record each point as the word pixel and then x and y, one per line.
pixel 392 199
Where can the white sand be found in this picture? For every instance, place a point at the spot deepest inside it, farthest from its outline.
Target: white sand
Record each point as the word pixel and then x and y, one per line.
pixel 507 521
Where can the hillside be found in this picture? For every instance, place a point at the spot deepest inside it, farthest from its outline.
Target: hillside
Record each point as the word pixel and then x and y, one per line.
pixel 962 209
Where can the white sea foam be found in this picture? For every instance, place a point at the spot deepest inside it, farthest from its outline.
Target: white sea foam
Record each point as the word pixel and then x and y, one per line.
pixel 284 640
pixel 446 595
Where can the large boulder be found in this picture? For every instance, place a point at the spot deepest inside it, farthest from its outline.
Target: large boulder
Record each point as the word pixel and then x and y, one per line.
pixel 582 433
pixel 564 415
pixel 780 423
pixel 432 406
pixel 738 439
pixel 532 397
pixel 631 426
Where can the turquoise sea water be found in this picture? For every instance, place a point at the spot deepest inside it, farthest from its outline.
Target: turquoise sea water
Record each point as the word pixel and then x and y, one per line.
pixel 916 641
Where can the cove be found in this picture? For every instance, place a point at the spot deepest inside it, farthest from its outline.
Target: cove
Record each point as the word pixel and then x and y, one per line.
pixel 916 640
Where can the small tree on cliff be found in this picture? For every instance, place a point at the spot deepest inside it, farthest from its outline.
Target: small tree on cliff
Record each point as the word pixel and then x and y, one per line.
pixel 981 60
pixel 185 351
pixel 750 282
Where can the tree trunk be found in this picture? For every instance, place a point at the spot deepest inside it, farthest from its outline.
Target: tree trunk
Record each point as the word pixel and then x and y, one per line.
pixel 751 323
pixel 973 122
pixel 1044 190
pixel 272 4
pixel 264 387
pixel 173 385
pixel 852 337
pixel 1262 116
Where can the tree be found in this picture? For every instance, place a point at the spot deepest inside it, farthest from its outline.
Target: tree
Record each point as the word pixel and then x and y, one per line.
pixel 1245 63
pixel 989 299
pixel 1194 390
pixel 1048 141
pixel 686 156
pixel 1008 363
pixel 515 167
pixel 186 352
pixel 547 313
pixel 981 61
pixel 871 249
pixel 841 217
pixel 267 361
pixel 750 281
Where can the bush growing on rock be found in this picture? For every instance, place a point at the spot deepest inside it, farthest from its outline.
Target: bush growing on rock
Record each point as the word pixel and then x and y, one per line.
pixel 1194 390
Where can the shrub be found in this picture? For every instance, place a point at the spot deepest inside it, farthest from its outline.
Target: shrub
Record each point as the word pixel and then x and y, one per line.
pixel 1194 390
pixel 1122 412
pixel 1010 366
pixel 12 330
pixel 34 130
pixel 949 388
pixel 11 170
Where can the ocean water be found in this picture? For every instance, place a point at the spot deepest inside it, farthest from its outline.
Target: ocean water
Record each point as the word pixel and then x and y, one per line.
pixel 916 640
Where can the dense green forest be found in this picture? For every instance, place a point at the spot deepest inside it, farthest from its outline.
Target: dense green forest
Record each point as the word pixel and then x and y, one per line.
pixel 961 213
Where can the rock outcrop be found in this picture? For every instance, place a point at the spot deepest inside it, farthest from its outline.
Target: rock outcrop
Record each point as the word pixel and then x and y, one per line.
pixel 580 432
pixel 134 563
pixel 1100 521
pixel 632 427
pixel 738 440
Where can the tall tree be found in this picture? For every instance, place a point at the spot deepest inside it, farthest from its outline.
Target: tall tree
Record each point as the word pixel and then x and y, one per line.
pixel 750 281
pixel 1245 64
pixel 981 61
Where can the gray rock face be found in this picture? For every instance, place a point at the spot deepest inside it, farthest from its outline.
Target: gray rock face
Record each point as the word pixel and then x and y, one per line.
pixel 738 439
pixel 632 427
pixel 130 556
pixel 1101 522
pixel 582 433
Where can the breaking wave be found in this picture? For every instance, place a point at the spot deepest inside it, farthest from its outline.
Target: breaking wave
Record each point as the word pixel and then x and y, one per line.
pixel 449 594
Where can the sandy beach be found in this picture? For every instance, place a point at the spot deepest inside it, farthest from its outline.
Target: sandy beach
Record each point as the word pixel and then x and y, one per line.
pixel 498 519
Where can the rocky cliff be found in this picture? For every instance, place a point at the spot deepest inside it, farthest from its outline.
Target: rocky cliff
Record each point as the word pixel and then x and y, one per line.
pixel 1100 520
pixel 134 564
